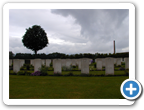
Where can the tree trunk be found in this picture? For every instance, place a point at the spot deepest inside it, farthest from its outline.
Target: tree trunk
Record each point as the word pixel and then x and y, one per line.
pixel 35 53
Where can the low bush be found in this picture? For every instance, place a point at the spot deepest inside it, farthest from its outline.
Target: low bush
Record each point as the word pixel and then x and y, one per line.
pixel 37 73
pixel 51 64
pixel 121 68
pixel 122 63
pixel 57 74
pixel 65 68
pixel 12 73
pixel 127 72
pixel 28 67
pixel 21 73
pixel 82 74
pixel 10 67
pixel 70 74
pixel 22 68
pixel 27 73
pixel 74 66
pixel 43 70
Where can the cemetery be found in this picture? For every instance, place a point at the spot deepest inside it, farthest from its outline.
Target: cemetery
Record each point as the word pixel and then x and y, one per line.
pixel 67 78
pixel 62 67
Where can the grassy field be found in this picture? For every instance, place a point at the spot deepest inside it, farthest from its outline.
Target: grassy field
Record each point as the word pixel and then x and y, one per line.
pixel 60 87
pixel 79 72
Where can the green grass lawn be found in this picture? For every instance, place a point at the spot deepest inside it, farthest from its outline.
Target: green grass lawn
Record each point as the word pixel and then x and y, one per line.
pixel 60 87
pixel 79 72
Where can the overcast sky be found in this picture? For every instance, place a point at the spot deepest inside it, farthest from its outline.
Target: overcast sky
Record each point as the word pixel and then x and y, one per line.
pixel 72 31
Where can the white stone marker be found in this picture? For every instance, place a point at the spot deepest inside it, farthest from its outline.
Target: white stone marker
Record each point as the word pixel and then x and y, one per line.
pixel 115 60
pixel 10 62
pixel 57 65
pixel 99 64
pixel 32 62
pixel 43 62
pixel 73 62
pixel 79 63
pixel 63 62
pixel 22 62
pixel 68 62
pixel 109 68
pixel 95 60
pixel 48 61
pixel 16 65
pixel 37 64
pixel 122 59
pixel 85 66
pixel 90 61
pixel 126 63
pixel 118 61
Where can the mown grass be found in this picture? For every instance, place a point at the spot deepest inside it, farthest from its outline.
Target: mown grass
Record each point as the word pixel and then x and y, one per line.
pixel 49 87
pixel 79 72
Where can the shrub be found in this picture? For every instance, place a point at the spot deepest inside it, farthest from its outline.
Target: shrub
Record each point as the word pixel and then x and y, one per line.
pixel 51 64
pixel 122 63
pixel 65 68
pixel 70 74
pixel 22 68
pixel 28 67
pixel 127 72
pixel 10 67
pixel 94 65
pixel 73 66
pixel 36 73
pixel 121 68
pixel 43 70
pixel 20 73
pixel 27 73
pixel 57 74
pixel 82 74
pixel 12 73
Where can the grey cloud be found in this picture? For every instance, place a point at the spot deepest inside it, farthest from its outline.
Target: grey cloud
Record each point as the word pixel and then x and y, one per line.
pixel 96 29
pixel 94 21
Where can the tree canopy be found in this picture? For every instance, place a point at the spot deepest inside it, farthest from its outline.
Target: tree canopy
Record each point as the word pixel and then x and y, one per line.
pixel 35 38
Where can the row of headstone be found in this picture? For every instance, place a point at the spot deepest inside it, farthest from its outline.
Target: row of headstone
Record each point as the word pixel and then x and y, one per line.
pixel 101 62
pixel 83 64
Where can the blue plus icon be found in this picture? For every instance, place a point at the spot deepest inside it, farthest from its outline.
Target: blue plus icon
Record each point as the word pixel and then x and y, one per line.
pixel 130 89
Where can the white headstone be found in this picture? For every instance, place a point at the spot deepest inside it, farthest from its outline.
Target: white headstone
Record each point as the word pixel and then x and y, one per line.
pixel 10 62
pixel 79 63
pixel 126 63
pixel 73 62
pixel 122 59
pixel 37 64
pixel 21 62
pixel 118 61
pixel 16 65
pixel 115 60
pixel 63 62
pixel 109 69
pixel 32 62
pixel 95 60
pixel 68 62
pixel 48 61
pixel 99 64
pixel 43 61
pixel 85 66
pixel 57 65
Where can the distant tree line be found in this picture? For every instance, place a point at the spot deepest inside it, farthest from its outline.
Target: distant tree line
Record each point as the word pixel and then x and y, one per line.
pixel 65 56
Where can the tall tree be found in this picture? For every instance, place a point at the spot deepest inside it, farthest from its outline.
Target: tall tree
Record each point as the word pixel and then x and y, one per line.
pixel 11 55
pixel 35 38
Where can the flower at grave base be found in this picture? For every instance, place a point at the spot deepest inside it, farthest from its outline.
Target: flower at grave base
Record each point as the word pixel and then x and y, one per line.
pixel 36 73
